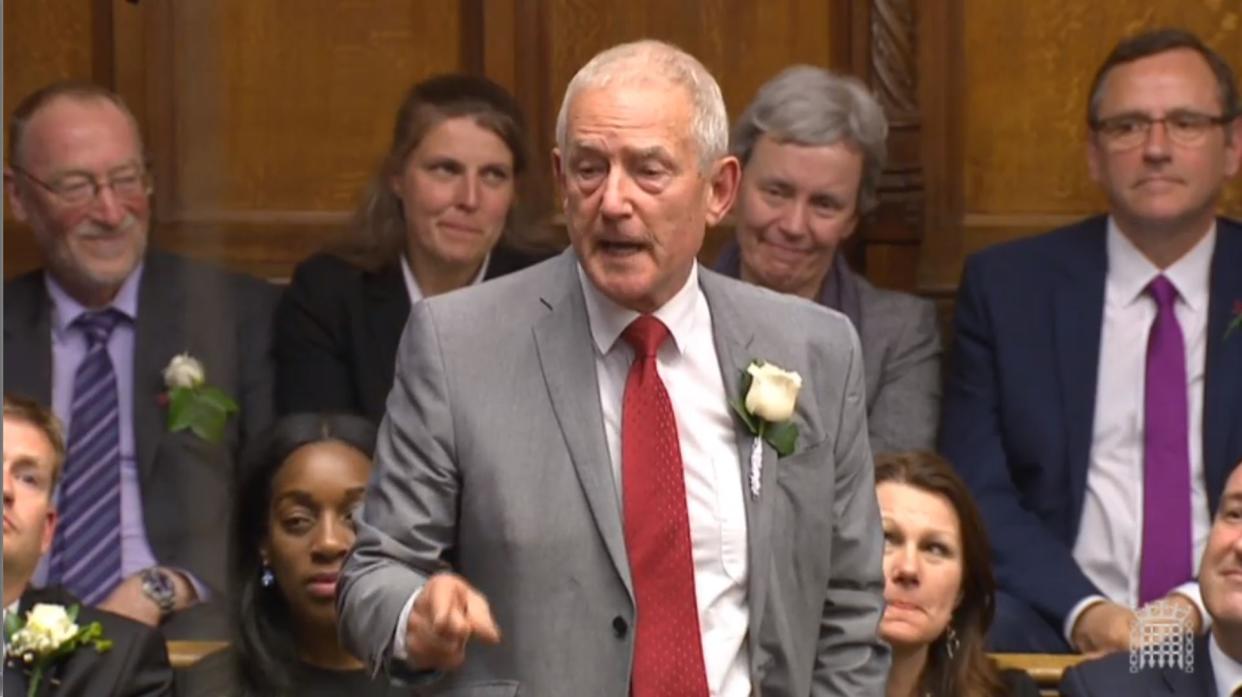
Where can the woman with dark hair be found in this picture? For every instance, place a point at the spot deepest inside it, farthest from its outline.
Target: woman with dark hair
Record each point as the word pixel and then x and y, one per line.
pixel 938 592
pixel 440 214
pixel 292 528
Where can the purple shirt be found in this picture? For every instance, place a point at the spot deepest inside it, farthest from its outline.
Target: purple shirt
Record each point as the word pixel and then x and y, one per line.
pixel 68 350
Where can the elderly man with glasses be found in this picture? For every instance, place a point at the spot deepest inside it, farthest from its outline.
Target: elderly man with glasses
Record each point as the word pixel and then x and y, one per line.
pixel 1094 402
pixel 148 471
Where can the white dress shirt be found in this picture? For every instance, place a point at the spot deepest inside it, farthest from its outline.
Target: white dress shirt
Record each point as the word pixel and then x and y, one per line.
pixel 1226 672
pixel 415 291
pixel 688 365
pixel 715 502
pixel 1110 534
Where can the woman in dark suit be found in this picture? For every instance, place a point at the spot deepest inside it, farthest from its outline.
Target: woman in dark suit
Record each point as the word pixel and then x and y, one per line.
pixel 939 594
pixel 439 215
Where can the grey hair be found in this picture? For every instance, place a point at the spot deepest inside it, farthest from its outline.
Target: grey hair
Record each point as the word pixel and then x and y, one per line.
pixel 651 60
pixel 811 106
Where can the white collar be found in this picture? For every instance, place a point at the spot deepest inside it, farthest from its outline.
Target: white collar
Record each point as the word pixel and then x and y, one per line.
pixel 608 319
pixel 416 293
pixel 1129 272
pixel 1226 672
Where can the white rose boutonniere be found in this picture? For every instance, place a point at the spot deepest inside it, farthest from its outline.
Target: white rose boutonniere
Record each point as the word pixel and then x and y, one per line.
pixel 47 634
pixel 194 404
pixel 769 395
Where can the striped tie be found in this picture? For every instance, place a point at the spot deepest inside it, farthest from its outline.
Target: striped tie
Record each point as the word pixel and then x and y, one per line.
pixel 86 557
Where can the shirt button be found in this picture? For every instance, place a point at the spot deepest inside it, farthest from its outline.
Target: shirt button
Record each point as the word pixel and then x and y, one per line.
pixel 620 626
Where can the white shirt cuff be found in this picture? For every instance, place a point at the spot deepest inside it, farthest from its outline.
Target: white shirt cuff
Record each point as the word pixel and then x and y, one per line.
pixel 403 620
pixel 1072 618
pixel 1191 592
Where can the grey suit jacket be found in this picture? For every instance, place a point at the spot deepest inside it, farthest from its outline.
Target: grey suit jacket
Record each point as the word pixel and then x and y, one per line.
pixel 492 461
pixel 901 357
pixel 224 320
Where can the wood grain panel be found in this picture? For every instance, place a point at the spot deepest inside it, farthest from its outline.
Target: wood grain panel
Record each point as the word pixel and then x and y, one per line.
pixel 45 42
pixel 1028 70
pixel 288 104
pixel 742 43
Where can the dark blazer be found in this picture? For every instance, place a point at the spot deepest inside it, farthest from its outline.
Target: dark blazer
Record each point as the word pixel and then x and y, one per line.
pixel 1110 676
pixel 224 320
pixel 136 665
pixel 1020 397
pixel 337 328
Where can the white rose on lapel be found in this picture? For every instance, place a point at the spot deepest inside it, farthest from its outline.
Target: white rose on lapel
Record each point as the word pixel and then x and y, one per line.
pixel 184 370
pixel 773 392
pixel 45 635
pixel 48 626
pixel 192 403
pixel 766 405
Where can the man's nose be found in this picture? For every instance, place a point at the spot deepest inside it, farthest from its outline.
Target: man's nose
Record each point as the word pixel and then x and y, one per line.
pixel 8 487
pixel 107 208
pixel 1156 141
pixel 616 201
pixel 793 218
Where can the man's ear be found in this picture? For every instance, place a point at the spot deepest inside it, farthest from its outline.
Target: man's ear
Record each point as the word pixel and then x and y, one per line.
pixel 1233 151
pixel 558 176
pixel 14 195
pixel 1094 157
pixel 722 188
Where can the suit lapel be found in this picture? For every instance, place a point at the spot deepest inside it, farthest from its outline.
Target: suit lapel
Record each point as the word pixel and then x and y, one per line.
pixel 735 351
pixel 566 356
pixel 159 334
pixel 1199 681
pixel 1222 389
pixel 1078 306
pixel 28 339
pixel 388 310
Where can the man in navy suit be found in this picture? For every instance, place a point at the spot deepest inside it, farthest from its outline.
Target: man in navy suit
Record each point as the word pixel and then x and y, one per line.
pixel 1216 668
pixel 1094 404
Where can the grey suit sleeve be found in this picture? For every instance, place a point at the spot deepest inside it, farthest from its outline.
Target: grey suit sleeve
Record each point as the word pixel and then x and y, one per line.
pixel 905 412
pixel 851 661
pixel 407 525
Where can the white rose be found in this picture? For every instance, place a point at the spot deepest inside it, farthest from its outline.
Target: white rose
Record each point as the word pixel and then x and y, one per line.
pixel 184 371
pixel 47 627
pixel 772 393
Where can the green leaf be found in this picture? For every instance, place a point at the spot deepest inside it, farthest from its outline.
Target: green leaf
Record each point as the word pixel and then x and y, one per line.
pixel 209 423
pixel 747 418
pixel 73 611
pixel 13 622
pixel 180 408
pixel 217 398
pixel 1235 325
pixel 783 437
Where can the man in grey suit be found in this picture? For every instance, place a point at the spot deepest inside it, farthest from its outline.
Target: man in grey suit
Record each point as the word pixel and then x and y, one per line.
pixel 560 481
pixel 812 146
pixel 91 335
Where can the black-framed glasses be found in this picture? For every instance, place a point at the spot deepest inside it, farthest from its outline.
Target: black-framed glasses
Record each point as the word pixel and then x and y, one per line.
pixel 1131 130
pixel 81 189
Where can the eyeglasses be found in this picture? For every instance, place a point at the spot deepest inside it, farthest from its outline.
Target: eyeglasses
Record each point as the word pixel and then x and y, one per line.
pixel 1131 130
pixel 81 189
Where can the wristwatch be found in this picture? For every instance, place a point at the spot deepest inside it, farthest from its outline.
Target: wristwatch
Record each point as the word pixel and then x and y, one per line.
pixel 157 584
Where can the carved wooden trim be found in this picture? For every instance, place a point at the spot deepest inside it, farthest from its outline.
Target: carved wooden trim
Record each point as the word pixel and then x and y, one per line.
pixel 893 75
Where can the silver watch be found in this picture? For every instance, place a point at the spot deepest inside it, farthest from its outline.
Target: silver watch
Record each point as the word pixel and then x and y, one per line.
pixel 157 584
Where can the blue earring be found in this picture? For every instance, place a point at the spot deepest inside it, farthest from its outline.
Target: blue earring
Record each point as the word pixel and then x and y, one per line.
pixel 266 579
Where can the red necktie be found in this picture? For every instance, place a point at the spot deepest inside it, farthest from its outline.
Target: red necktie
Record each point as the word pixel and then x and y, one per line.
pixel 668 649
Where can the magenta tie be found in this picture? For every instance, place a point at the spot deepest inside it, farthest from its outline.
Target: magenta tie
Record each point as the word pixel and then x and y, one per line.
pixel 1167 544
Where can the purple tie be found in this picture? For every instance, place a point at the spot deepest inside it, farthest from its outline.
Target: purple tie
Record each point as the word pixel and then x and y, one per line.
pixel 1167 546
